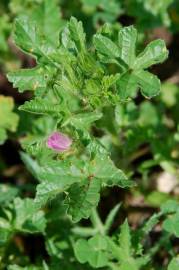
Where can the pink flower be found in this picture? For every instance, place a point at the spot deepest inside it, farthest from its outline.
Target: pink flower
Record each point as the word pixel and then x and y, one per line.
pixel 59 142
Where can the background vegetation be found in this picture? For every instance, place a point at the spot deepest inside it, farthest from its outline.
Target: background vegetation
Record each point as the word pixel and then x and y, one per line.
pixel 56 76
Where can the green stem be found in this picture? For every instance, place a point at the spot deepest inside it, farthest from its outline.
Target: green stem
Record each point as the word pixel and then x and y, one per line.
pixel 84 232
pixel 97 223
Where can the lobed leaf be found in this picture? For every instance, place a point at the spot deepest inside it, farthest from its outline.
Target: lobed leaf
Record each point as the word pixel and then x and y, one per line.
pixel 127 39
pixel 92 251
pixel 83 120
pixel 57 177
pixel 27 217
pixel 103 168
pixel 28 79
pixel 27 37
pixel 149 84
pixel 105 46
pixel 40 106
pixel 49 20
pixel 82 199
pixel 154 53
pixel 126 85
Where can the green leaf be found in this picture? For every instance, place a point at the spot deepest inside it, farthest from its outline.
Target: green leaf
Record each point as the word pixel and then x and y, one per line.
pixel 114 249
pixel 125 240
pixel 99 257
pixel 58 177
pixel 149 84
pixel 8 193
pixel 127 44
pixel 110 218
pixel 109 80
pixel 92 87
pixel 154 53
pixel 174 264
pixel 28 79
pixel 82 199
pixel 34 141
pixel 49 22
pixel 105 46
pixel 171 224
pixel 81 181
pixel 130 265
pixel 151 222
pixel 83 120
pixel 49 190
pixel 147 108
pixel 169 93
pixel 40 106
pixel 77 34
pixel 27 217
pixel 171 206
pixel 31 165
pixel 126 85
pixel 27 37
pixel 8 119
pixel 126 259
pixel 103 168
pixel 92 251
pixel 123 252
pixel 81 249
pixel 53 170
pixel 5 233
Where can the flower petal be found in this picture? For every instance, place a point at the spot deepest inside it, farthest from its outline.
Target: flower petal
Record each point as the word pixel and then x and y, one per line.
pixel 59 142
